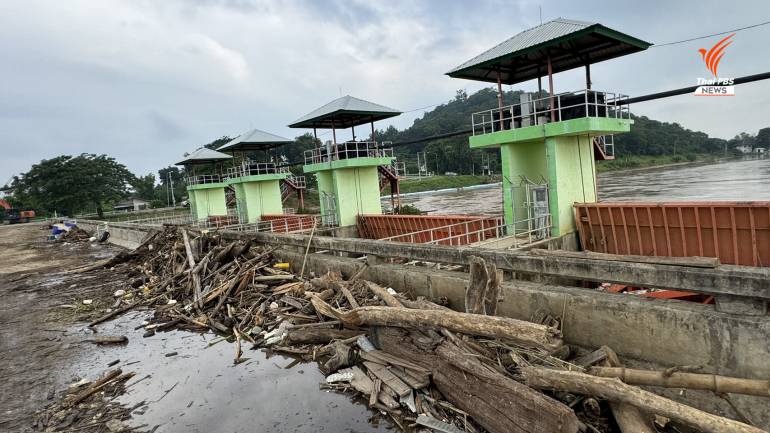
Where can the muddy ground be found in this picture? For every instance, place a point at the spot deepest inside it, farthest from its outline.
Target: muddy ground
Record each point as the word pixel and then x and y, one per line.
pixel 38 307
pixel 182 383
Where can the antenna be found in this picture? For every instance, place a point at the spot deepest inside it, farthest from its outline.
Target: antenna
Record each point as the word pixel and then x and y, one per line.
pixel 540 7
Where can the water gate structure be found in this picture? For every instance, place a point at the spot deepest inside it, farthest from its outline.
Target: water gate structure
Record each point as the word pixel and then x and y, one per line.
pixel 205 186
pixel 348 173
pixel 260 187
pixel 549 141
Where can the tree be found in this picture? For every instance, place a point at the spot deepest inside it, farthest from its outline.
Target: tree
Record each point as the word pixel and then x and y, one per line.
pixel 144 187
pixel 73 184
pixel 763 138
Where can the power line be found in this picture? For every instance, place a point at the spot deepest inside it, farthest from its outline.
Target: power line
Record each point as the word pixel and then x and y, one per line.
pixel 711 35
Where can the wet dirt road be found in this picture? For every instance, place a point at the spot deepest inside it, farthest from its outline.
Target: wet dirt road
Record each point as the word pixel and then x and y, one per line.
pixel 43 325
pixel 200 390
pixel 737 180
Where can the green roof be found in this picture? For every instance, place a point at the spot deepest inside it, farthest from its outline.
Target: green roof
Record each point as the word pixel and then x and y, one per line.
pixel 570 43
pixel 203 155
pixel 254 140
pixel 344 112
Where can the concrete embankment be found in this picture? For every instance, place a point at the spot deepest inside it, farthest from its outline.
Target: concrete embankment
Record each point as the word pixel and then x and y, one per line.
pixel 661 331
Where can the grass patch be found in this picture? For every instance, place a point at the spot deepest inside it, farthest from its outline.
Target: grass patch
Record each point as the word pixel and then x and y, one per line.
pixel 640 161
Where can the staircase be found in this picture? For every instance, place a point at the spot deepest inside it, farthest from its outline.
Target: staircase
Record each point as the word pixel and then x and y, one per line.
pixel 389 176
pixel 292 184
pixel 604 148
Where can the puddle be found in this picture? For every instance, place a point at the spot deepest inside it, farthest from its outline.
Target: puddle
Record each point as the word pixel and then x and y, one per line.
pixel 200 390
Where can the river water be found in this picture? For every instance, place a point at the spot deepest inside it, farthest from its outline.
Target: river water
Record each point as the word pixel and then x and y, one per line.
pixel 735 180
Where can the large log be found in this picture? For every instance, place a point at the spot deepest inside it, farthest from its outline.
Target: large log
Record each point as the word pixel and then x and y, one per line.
pixel 318 335
pixel 630 418
pixel 495 401
pixel 709 382
pixel 694 262
pixel 512 330
pixel 614 390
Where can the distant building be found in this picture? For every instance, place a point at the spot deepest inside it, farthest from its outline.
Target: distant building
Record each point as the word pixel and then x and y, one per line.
pixel 760 150
pixel 132 204
pixel 744 149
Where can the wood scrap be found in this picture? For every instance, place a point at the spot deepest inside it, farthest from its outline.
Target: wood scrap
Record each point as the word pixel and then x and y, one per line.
pixel 518 331
pixel 708 382
pixel 615 390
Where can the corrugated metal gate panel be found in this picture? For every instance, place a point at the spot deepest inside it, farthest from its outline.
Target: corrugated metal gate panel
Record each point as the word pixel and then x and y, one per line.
pixel 735 232
pixel 430 228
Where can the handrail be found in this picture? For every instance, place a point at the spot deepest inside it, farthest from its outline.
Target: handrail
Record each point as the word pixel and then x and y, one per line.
pixel 581 103
pixel 203 179
pixel 348 150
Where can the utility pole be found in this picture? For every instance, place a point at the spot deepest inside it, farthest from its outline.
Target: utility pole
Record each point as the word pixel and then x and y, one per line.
pixel 171 182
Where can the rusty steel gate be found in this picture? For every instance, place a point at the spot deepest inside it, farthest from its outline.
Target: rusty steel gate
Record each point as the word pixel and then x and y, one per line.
pixel 737 233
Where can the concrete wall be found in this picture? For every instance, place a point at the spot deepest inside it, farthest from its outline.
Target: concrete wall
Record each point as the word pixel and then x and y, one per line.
pixel 572 178
pixel 125 235
pixel 258 198
pixel 205 202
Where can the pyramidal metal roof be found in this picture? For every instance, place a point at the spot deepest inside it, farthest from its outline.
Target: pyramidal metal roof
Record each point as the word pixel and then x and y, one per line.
pixel 344 112
pixel 254 140
pixel 204 155
pixel 570 44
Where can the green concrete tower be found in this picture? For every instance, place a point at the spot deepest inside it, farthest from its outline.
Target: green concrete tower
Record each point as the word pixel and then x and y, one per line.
pixel 258 185
pixel 206 192
pixel 549 142
pixel 348 173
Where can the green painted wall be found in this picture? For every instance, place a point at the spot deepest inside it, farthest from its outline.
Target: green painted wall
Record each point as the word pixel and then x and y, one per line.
pixel 520 159
pixel 355 189
pixel 358 192
pixel 572 178
pixel 258 198
pixel 205 202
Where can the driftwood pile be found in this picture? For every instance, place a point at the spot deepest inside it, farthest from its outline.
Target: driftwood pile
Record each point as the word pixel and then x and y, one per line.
pixel 426 366
pixel 90 407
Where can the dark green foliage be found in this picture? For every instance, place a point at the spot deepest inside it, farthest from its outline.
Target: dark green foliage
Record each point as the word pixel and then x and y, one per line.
pixel 72 184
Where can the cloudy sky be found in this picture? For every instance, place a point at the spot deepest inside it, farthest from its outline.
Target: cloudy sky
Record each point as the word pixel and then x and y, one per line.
pixel 146 81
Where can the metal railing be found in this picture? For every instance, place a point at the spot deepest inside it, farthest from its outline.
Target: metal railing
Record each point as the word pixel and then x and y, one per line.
pixel 202 179
pixel 250 168
pixel 349 150
pixel 298 182
pixel 566 106
pixel 460 233
pixel 607 143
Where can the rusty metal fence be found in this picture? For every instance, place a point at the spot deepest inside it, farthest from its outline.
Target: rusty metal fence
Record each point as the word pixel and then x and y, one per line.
pixel 737 233
pixel 431 229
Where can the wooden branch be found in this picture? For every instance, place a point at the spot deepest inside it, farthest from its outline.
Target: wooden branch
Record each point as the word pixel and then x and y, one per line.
pixel 196 278
pixel 517 331
pixel 630 419
pixel 382 293
pixel 614 390
pixel 476 291
pixel 709 382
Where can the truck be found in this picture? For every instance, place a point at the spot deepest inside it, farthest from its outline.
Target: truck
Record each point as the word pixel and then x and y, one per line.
pixel 13 215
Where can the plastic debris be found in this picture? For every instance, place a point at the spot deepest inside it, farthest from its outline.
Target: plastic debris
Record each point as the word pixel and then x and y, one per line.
pixel 339 377
pixel 119 293
pixel 88 301
pixel 365 344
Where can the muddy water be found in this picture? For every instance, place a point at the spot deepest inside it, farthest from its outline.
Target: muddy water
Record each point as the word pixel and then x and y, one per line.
pixel 200 390
pixel 732 180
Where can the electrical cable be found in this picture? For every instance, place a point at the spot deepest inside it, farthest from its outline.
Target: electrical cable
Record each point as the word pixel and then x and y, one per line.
pixel 711 35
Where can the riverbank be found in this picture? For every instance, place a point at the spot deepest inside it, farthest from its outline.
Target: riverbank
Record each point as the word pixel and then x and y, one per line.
pixel 631 162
